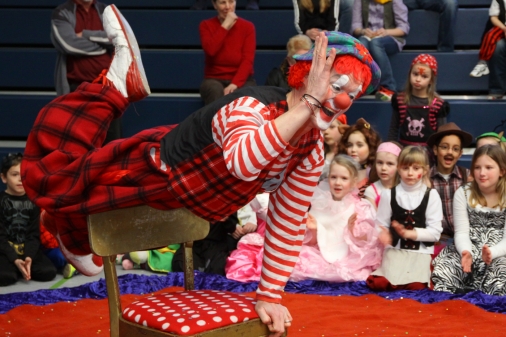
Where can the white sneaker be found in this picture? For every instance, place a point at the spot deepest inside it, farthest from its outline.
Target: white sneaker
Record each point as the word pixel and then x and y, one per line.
pixel 89 265
pixel 479 70
pixel 126 71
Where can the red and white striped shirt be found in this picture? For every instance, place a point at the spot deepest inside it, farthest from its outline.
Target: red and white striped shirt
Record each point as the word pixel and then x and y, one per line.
pixel 245 130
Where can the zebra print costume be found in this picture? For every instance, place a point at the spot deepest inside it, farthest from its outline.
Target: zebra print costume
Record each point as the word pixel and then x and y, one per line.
pixel 484 228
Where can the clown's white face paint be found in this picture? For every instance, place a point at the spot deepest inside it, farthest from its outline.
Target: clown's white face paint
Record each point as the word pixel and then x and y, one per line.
pixel 342 91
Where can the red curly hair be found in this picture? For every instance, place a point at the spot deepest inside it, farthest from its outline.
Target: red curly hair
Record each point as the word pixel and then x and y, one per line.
pixel 343 64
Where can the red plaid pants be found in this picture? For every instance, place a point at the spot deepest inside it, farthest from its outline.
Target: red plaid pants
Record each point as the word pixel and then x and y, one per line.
pixel 66 171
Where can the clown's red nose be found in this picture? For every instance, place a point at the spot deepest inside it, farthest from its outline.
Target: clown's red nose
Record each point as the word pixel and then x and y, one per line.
pixel 342 101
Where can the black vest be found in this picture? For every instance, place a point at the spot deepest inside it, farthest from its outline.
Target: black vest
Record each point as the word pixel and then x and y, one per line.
pixel 410 219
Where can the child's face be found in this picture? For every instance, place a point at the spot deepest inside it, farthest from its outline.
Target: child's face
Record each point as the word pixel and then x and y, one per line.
pixel 341 181
pixel 420 77
pixel 386 166
pixel 332 136
pixel 13 181
pixel 487 173
pixel 357 147
pixel 448 152
pixel 487 141
pixel 411 174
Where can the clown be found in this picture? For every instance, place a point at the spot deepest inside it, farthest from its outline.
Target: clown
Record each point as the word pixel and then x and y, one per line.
pixel 254 140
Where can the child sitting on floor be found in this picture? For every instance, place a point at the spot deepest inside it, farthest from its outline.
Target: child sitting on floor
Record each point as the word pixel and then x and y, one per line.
pixel 446 176
pixel 477 260
pixel 360 142
pixel 491 138
pixel 21 255
pixel 383 172
pixel 410 217
pixel 341 242
pixel 245 263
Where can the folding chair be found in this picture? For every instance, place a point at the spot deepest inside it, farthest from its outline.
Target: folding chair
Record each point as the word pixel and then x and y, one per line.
pixel 188 313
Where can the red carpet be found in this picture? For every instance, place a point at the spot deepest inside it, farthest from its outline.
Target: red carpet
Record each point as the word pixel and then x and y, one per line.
pixel 314 315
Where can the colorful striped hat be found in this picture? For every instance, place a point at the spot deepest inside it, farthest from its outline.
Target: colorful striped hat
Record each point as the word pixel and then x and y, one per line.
pixel 345 44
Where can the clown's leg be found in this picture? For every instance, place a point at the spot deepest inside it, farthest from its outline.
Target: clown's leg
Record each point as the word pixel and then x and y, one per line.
pixel 63 156
pixel 126 72
pixel 87 264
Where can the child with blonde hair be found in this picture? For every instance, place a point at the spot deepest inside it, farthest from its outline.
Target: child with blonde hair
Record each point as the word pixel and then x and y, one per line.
pixel 477 260
pixel 410 216
pixel 383 172
pixel 341 242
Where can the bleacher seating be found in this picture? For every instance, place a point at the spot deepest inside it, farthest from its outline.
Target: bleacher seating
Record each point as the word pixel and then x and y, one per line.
pixel 273 27
pixel 168 34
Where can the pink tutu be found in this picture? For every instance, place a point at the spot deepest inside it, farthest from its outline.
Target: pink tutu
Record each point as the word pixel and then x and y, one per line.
pixel 245 263
pixel 361 257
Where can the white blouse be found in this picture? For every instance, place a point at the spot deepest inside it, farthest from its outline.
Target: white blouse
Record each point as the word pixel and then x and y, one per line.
pixel 410 197
pixel 461 222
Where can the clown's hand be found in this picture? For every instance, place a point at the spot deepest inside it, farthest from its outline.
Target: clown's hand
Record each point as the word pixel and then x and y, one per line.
pixel 319 74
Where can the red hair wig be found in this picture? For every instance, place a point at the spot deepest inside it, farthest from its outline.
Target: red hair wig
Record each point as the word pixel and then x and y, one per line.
pixel 343 64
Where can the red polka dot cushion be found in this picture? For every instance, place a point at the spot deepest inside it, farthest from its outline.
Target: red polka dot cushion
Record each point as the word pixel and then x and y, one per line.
pixel 190 312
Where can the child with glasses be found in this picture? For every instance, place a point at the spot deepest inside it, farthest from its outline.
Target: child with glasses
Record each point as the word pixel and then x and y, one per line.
pixel 445 175
pixel 21 255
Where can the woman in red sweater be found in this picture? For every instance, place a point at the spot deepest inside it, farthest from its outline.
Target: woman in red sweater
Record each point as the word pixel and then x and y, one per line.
pixel 229 44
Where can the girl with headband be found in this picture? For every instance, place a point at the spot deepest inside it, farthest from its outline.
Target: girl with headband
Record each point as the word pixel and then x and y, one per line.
pixel 418 110
pixel 383 172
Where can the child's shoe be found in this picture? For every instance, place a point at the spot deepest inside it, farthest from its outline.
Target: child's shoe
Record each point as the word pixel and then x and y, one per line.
pixel 69 271
pixel 126 72
pixel 480 69
pixel 384 94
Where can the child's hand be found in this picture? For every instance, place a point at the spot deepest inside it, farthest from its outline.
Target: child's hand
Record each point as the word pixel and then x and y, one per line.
pixel 486 255
pixel 406 234
pixel 311 222
pixel 351 222
pixel 466 261
pixel 22 267
pixel 238 233
pixel 249 228
pixel 351 225
pixel 385 237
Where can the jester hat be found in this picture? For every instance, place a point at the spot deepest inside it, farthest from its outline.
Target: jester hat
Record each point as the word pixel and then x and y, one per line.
pixel 345 44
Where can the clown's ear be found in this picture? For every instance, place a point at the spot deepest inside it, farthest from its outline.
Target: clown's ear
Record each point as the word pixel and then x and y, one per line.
pixel 342 128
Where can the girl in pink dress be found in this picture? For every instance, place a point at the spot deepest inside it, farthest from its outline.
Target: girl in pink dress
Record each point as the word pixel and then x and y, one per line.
pixel 341 242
